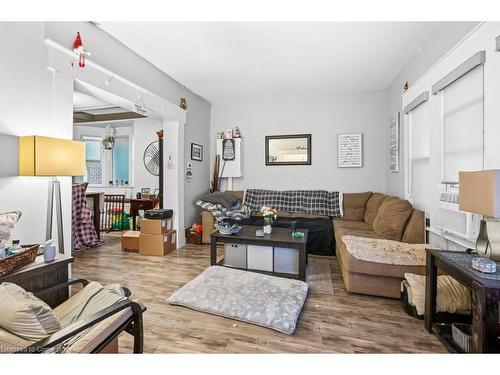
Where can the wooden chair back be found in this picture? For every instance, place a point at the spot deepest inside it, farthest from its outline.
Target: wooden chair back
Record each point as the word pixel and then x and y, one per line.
pixel 113 212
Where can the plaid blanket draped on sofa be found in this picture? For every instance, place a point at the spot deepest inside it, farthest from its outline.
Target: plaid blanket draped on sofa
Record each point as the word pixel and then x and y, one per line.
pixel 315 202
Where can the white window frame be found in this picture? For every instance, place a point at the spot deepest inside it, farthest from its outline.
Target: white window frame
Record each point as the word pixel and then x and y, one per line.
pixel 440 95
pixel 109 164
pixel 478 59
pixel 107 160
pixel 422 99
pixel 438 89
pixel 90 137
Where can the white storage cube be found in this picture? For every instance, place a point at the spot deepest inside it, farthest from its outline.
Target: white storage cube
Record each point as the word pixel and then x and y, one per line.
pixel 235 255
pixel 286 260
pixel 260 258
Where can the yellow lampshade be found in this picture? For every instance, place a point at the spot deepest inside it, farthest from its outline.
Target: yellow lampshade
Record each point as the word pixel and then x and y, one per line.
pixel 44 156
pixel 479 192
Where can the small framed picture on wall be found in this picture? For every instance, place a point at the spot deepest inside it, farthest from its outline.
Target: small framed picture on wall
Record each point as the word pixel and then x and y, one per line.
pixel 145 192
pixel 196 152
pixel 394 143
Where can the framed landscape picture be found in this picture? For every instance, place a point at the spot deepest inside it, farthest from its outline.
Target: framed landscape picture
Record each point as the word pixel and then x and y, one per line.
pixel 196 152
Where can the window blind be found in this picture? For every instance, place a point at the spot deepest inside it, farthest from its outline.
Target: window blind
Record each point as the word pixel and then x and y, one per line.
pixel 463 125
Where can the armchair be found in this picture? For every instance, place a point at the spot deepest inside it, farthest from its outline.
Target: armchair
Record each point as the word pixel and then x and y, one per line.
pixel 93 333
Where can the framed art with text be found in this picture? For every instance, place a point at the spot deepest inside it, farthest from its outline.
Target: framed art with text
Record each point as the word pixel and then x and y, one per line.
pixel 394 143
pixel 350 150
pixel 196 152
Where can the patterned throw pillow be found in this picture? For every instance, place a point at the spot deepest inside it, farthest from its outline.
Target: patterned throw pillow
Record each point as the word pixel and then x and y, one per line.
pixel 7 222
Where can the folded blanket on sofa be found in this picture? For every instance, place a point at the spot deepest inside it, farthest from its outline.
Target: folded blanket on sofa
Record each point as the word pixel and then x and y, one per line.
pixel 385 251
pixel 236 212
pixel 451 295
pixel 316 202
pixel 224 198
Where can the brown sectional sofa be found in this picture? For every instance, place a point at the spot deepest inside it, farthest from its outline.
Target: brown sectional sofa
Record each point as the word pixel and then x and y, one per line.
pixel 372 215
pixel 376 215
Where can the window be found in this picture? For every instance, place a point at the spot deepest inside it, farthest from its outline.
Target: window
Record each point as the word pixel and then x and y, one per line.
pixel 120 161
pixel 419 157
pixel 463 125
pixel 106 167
pixel 93 160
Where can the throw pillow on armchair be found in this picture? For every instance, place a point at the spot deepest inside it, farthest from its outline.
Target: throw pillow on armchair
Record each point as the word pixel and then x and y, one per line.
pixel 7 222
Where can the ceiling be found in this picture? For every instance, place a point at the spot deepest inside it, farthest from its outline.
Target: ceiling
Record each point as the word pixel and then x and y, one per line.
pixel 221 60
pixel 89 107
pixel 83 101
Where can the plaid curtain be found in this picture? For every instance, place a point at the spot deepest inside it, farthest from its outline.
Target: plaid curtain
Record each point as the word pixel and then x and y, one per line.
pixel 84 233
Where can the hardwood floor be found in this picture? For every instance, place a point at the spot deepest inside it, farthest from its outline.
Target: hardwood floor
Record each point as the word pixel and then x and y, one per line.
pixel 330 323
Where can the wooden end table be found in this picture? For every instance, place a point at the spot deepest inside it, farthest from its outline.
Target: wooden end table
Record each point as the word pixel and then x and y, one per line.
pixel 280 237
pixel 485 293
pixel 39 276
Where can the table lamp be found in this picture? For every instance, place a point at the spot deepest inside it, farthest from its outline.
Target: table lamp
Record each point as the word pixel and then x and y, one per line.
pixel 52 157
pixel 479 193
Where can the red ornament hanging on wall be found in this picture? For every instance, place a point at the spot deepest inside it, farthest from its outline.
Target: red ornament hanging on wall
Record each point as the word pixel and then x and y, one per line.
pixel 82 52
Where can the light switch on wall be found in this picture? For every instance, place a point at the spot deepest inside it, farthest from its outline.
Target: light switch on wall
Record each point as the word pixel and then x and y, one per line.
pixel 189 173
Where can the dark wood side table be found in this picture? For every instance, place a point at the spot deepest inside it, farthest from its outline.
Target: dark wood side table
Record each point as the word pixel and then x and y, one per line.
pixel 280 237
pixel 139 204
pixel 96 211
pixel 39 275
pixel 485 292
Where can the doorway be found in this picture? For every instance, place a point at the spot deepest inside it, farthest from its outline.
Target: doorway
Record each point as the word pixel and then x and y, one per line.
pixel 118 91
pixel 122 164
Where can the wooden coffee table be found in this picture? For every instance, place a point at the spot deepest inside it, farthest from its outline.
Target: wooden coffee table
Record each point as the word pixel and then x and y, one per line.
pixel 280 237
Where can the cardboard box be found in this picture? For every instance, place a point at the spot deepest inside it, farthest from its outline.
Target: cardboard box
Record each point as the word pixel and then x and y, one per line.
pixel 157 244
pixel 172 240
pixel 130 240
pixel 149 226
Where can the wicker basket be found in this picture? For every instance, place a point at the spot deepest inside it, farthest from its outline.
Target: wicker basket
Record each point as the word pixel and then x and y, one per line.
pixel 193 237
pixel 12 263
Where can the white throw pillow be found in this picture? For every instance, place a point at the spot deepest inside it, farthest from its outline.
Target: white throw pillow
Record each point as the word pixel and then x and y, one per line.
pixel 24 315
pixel 7 222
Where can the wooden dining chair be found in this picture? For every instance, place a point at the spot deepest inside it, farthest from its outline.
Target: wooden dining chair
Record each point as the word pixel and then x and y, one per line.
pixel 113 214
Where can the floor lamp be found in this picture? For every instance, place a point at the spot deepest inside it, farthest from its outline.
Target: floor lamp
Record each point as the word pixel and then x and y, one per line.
pixel 52 157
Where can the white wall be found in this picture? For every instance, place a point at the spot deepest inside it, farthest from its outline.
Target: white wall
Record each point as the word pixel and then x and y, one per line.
pixel 440 42
pixel 118 58
pixel 144 132
pixel 33 100
pixel 483 38
pixel 36 100
pixel 324 118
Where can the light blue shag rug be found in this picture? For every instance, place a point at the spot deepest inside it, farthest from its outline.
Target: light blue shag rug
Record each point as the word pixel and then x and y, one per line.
pixel 267 301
